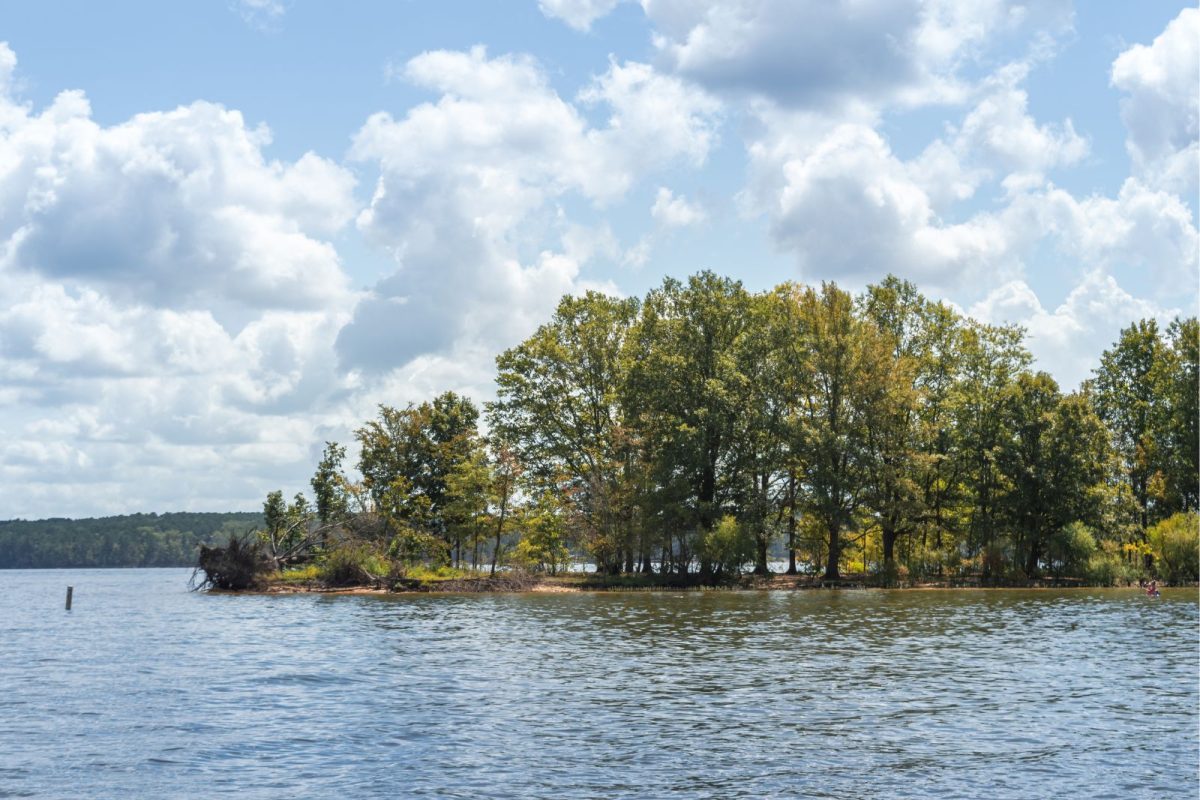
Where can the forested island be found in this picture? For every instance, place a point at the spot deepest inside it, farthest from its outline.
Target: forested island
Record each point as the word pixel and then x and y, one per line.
pixel 882 437
pixel 130 540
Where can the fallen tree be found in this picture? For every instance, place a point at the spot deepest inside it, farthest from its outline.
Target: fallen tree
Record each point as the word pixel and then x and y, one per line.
pixel 239 565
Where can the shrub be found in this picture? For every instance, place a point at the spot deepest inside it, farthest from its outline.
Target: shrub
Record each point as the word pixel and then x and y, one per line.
pixel 1107 566
pixel 1175 544
pixel 728 546
pixel 1071 549
pixel 304 574
pixel 353 563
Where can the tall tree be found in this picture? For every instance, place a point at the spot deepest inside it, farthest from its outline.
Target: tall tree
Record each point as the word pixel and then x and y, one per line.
pixel 991 359
pixel 840 374
pixel 899 445
pixel 687 392
pixel 559 404
pixel 1129 390
pixel 330 486
pixel 1181 423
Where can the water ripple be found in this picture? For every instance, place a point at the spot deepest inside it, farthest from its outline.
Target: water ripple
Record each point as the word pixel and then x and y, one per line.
pixel 148 691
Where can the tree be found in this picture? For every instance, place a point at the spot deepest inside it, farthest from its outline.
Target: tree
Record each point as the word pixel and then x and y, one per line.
pixel 1128 390
pixel 992 357
pixel 1026 463
pixel 330 486
pixel 900 448
pixel 506 473
pixel 838 376
pixel 686 393
pixel 1181 420
pixel 407 455
pixel 559 406
pixel 469 493
pixel 545 530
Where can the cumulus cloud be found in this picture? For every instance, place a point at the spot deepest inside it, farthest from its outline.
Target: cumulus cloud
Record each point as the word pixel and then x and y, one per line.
pixel 670 211
pixel 170 308
pixel 849 209
pixel 1000 134
pixel 579 14
pixel 1068 340
pixel 820 54
pixel 177 207
pixel 1161 109
pixel 465 178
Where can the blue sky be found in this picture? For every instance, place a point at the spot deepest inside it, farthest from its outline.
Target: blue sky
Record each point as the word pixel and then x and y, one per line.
pixel 229 230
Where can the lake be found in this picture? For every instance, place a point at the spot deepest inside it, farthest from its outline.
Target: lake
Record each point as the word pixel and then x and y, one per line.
pixel 145 690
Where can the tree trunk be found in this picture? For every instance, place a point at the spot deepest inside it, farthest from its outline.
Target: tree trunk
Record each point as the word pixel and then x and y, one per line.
pixel 1031 563
pixel 835 551
pixel 791 570
pixel 499 533
pixel 760 554
pixel 888 537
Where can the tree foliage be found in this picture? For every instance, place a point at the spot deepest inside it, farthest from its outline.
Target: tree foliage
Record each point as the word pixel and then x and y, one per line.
pixel 706 429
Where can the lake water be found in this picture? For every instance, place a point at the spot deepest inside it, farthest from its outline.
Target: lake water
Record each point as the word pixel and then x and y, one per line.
pixel 144 690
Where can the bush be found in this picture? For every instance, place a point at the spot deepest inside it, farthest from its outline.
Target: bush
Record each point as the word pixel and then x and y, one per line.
pixel 354 563
pixel 728 546
pixel 1108 567
pixel 890 575
pixel 304 574
pixel 1175 544
pixel 1071 549
pixel 543 544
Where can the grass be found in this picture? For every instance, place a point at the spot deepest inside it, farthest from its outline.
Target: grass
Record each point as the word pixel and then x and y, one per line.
pixel 443 573
pixel 304 574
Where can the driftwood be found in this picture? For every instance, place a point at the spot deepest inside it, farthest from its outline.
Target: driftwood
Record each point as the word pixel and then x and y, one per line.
pixel 237 566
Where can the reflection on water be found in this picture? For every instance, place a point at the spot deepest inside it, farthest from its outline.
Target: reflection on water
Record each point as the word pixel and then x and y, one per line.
pixel 145 690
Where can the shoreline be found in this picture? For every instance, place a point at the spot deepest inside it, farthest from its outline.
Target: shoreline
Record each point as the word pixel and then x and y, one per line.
pixel 574 584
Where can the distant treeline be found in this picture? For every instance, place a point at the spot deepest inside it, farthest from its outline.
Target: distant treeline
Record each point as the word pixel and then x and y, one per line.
pixel 132 540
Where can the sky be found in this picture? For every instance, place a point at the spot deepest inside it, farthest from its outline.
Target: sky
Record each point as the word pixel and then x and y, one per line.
pixel 229 230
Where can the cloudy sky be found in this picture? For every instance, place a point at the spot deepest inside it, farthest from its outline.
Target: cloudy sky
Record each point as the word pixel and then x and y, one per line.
pixel 229 230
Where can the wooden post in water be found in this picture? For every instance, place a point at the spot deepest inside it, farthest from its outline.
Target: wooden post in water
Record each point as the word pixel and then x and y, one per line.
pixel 70 590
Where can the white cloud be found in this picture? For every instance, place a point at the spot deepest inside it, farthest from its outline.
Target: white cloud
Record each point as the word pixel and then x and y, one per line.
pixel 1162 108
pixel 1068 341
pixel 822 54
pixel 170 308
pixel 849 208
pixel 670 211
pixel 464 196
pixel 262 14
pixel 177 207
pixel 579 14
pixel 1000 134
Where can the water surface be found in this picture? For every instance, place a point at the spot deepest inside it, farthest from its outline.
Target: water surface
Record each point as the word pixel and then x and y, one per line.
pixel 146 690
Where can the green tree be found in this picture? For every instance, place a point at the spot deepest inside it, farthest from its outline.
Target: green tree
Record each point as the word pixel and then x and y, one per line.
pixel 901 444
pixel 406 456
pixel 686 392
pixel 1128 391
pixel 991 359
pixel 844 362
pixel 329 485
pixel 545 532
pixel 559 405
pixel 1181 419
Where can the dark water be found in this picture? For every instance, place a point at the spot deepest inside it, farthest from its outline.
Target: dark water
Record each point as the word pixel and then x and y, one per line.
pixel 146 691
